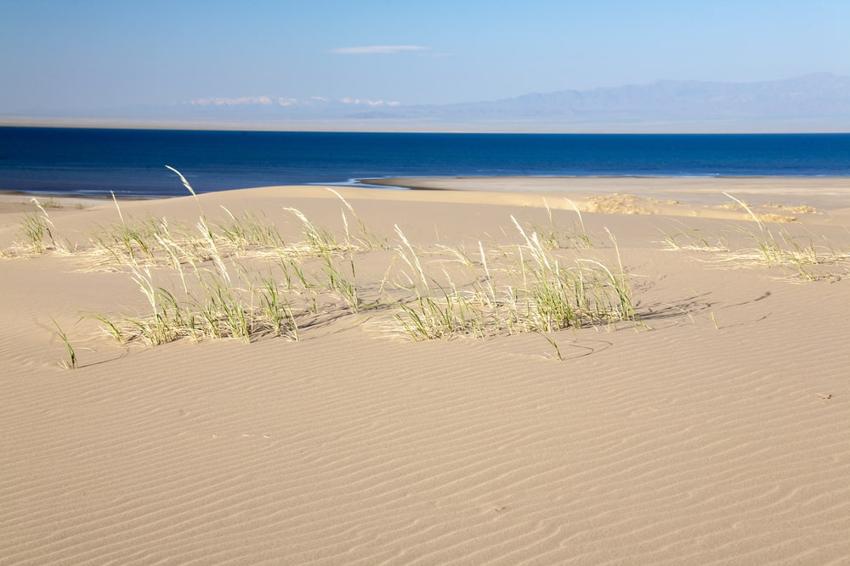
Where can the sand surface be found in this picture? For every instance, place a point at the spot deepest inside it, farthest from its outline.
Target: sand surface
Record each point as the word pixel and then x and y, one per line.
pixel 829 192
pixel 712 431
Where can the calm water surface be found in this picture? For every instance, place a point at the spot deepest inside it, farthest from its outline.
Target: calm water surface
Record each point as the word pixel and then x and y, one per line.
pixel 130 162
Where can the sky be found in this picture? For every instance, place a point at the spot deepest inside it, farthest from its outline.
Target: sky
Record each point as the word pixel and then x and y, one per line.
pixel 67 56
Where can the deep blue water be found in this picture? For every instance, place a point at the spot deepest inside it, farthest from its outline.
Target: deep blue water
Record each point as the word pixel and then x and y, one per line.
pixel 130 162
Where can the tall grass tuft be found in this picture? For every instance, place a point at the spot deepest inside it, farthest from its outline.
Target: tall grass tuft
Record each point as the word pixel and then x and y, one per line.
pixel 540 293
pixel 772 249
pixel 217 309
pixel 37 230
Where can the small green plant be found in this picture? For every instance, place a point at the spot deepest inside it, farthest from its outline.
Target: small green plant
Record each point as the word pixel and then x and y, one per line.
pixel 110 327
pixel 34 229
pixel 277 311
pixel 70 361
pixel 554 345
pixel 37 230
pixel 339 283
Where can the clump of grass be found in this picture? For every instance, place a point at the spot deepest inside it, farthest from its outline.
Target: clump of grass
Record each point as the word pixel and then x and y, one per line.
pixel 562 296
pixel 323 244
pixel 37 230
pixel 277 311
pixel 541 294
pixel 344 286
pixel 364 237
pixel 555 237
pixel 692 240
pixel 217 310
pixel 127 244
pixel 221 309
pixel 428 318
pixel 772 249
pixel 155 242
pixel 166 318
pixel 248 231
pixel 319 241
pixel 33 229
pixel 782 251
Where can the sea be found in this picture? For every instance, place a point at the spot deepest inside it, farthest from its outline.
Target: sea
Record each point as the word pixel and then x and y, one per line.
pixel 132 163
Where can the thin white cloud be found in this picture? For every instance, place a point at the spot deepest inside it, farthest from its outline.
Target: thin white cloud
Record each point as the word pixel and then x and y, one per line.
pixel 369 102
pixel 379 49
pixel 287 102
pixel 240 101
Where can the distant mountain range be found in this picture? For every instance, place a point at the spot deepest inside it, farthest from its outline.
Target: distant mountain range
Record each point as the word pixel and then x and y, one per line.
pixel 815 102
pixel 817 96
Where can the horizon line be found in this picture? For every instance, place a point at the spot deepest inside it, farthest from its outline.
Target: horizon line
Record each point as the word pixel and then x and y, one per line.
pixel 412 127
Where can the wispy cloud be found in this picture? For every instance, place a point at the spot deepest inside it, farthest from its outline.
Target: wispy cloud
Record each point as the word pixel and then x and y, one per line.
pixel 240 101
pixel 368 102
pixel 314 101
pixel 379 49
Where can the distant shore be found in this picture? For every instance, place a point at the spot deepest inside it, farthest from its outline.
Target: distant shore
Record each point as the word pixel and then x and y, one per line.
pixel 824 192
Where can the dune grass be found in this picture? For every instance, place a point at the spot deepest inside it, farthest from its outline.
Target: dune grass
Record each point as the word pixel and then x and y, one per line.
pixel 553 278
pixel 249 231
pixel 215 309
pixel 156 242
pixel 34 229
pixel 555 236
pixel 692 239
pixel 540 293
pixel 37 233
pixel 528 287
pixel 771 248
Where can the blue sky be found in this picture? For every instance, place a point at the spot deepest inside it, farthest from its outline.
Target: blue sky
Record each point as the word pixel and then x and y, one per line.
pixel 67 55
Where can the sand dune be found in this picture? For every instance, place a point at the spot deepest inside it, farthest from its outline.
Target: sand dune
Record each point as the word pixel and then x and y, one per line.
pixel 713 431
pixel 818 192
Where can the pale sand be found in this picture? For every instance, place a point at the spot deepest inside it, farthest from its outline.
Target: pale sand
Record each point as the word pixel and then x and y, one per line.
pixel 832 192
pixel 718 436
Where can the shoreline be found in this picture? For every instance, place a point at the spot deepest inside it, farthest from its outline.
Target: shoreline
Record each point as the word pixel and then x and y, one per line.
pixel 775 199
pixel 48 194
pixel 514 184
pixel 430 181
